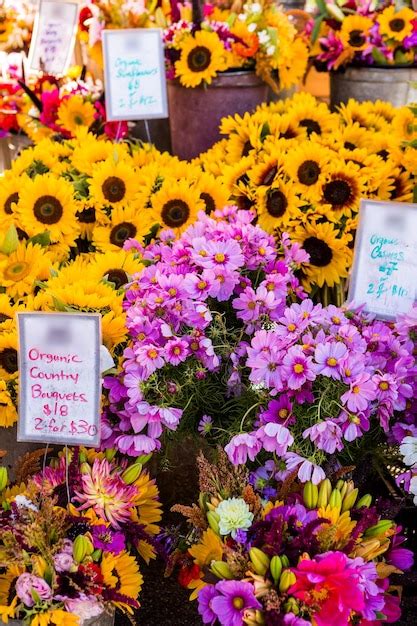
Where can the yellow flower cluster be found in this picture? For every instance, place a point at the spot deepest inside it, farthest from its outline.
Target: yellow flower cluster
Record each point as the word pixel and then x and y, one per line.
pixel 304 169
pixel 66 211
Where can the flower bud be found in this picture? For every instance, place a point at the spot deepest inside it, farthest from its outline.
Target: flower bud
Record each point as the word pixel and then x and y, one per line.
pixel 310 495
pixel 335 500
pixel 335 12
pixel 325 490
pixel 221 570
pixel 89 548
pixel 287 580
pixel 366 500
pixel 213 520
pixel 379 529
pixel 132 473
pixel 144 458
pixel 276 568
pixel 110 453
pixel 85 468
pixel 259 560
pixel 96 555
pixel 79 549
pixel 349 500
pixel 291 606
pixel 3 478
pixel 285 561
pixel 82 457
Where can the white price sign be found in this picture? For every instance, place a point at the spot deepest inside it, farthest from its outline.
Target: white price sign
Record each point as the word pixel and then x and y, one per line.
pixel 134 74
pixel 59 378
pixel 384 273
pixel 53 36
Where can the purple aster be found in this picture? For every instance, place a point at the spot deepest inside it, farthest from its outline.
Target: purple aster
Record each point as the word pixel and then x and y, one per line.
pixel 242 446
pixel 327 356
pixel 149 359
pixel 233 599
pixel 205 425
pixel 297 368
pixel 275 438
pixel 205 597
pixel 361 393
pixel 106 539
pixel 133 381
pixel 223 283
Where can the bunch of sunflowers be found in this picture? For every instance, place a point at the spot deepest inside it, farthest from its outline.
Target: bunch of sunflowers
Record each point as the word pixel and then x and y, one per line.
pixel 304 170
pixel 69 539
pixel 16 23
pixel 314 555
pixel 254 35
pixel 363 33
pixel 66 211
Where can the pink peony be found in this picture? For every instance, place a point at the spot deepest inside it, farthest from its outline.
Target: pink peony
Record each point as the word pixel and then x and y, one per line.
pixel 29 586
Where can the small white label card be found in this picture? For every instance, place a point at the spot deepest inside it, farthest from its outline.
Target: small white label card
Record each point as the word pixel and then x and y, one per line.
pixel 134 74
pixel 59 378
pixel 384 273
pixel 53 36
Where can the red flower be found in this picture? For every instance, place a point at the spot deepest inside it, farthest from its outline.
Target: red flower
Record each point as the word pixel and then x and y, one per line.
pixel 94 577
pixel 188 573
pixel 85 14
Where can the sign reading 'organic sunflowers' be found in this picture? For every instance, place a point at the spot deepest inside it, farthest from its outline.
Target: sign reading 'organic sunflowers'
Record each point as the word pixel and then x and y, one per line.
pixel 59 378
pixel 384 275
pixel 134 74
pixel 53 37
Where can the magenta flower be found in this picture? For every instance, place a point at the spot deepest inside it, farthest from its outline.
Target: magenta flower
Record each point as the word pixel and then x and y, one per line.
pixel 247 305
pixel 176 351
pixel 149 359
pixel 104 538
pixel 327 356
pixel 205 598
pixel 361 392
pixel 242 446
pixel 297 368
pixel 233 598
pixel 306 469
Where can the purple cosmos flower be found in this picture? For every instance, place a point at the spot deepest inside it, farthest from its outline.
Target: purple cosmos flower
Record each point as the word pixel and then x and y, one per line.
pixel 278 411
pixel 233 598
pixel 247 305
pixel 106 539
pixel 327 356
pixel 326 435
pixel 205 425
pixel 306 469
pixel 243 446
pixel 205 597
pixel 362 391
pixel 275 438
pixel 297 368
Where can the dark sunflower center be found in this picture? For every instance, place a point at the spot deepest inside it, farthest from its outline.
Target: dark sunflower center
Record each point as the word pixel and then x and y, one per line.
pixel 244 203
pixel 356 38
pixel 308 172
pixel 21 235
pixel 397 25
pixel 269 175
pixel 320 253
pixel 349 145
pixel 209 202
pixel 247 147
pixel 87 216
pixel 118 277
pixel 8 360
pixel 113 189
pixel 4 318
pixel 14 197
pixel 276 203
pixel 199 59
pixel 48 210
pixel 384 154
pixel 289 134
pixel 78 120
pixel 121 232
pixel 175 213
pixel 337 192
pixel 311 126
pixel 398 189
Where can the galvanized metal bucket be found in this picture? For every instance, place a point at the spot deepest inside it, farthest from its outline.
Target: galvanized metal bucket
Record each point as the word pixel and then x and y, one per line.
pixel 195 113
pixel 10 148
pixel 105 619
pixel 392 84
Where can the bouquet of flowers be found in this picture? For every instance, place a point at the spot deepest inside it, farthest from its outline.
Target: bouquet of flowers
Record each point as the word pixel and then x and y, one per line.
pixel 314 555
pixel 16 18
pixel 363 33
pixel 254 35
pixel 68 539
pixel 190 315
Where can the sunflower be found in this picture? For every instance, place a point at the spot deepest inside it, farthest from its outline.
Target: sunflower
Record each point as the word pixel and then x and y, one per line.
pixel 8 355
pixel 350 137
pixel 9 194
pixel 81 295
pixel 210 548
pixel 8 413
pixel 202 57
pixel 292 63
pixel 396 25
pixel 330 255
pixel 74 112
pixel 8 311
pixel 213 193
pixel 89 153
pixel 312 115
pixel 113 184
pixel 402 186
pixel 213 160
pixel 342 190
pixel 266 170
pixel 277 206
pixel 46 203
pixel 306 165
pixel 22 268
pixel 404 124
pixel 121 573
pixel 147 506
pixel 117 268
pixel 355 32
pixel 128 223
pixel 175 206
pixel 113 329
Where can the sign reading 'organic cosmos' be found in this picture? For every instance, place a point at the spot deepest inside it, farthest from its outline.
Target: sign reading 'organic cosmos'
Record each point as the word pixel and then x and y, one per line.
pixel 134 74
pixel 53 36
pixel 59 378
pixel 384 275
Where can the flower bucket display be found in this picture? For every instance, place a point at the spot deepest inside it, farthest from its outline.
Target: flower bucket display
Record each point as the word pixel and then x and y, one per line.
pixel 105 619
pixel 10 148
pixel 391 84
pixel 195 114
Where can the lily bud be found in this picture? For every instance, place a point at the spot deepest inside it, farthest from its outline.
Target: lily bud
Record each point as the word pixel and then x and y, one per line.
pixel 366 500
pixel 3 478
pixel 132 473
pixel 335 500
pixel 79 549
pixel 349 500
pixel 221 570
pixel 310 495
pixel 213 520
pixel 379 529
pixel 325 490
pixel 287 580
pixel 276 568
pixel 260 561
pixel 110 453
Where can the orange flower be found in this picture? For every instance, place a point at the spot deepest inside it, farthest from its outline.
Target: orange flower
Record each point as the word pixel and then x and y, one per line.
pixel 248 43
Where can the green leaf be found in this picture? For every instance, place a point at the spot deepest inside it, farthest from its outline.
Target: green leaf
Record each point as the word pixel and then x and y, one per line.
pixel 265 131
pixel 316 29
pixel 43 239
pixel 321 5
pixel 59 305
pixel 379 615
pixel 10 241
pixel 400 57
pixel 378 57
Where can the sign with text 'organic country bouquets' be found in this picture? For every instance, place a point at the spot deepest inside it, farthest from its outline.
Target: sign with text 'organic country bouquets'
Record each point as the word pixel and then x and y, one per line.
pixel 134 74
pixel 384 273
pixel 59 378
pixel 53 36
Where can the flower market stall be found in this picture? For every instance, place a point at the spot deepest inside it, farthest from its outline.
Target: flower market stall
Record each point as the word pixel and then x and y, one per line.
pixel 208 356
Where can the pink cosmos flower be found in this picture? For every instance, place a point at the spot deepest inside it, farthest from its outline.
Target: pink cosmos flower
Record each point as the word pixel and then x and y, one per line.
pixel 306 469
pixel 326 435
pixel 176 351
pixel 362 391
pixel 233 598
pixel 297 368
pixel 275 438
pixel 242 446
pixel 327 357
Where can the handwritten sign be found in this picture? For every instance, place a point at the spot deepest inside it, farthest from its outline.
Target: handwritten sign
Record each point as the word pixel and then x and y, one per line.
pixel 53 36
pixel 134 74
pixel 59 378
pixel 384 274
